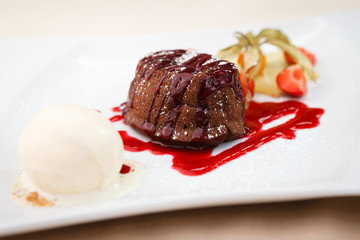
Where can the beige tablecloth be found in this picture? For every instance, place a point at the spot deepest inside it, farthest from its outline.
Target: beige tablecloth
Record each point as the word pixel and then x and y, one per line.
pixel 312 219
pixel 330 219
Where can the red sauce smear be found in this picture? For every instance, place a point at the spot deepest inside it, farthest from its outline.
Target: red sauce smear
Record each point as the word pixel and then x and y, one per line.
pixel 116 118
pixel 197 162
pixel 116 109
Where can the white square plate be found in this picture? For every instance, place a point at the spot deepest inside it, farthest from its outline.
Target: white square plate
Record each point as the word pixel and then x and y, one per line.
pixel 96 72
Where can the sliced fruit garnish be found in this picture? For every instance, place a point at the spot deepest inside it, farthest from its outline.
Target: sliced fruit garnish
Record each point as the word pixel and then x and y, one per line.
pixel 263 64
pixel 248 56
pixel 308 54
pixel 292 81
pixel 240 59
pixel 298 57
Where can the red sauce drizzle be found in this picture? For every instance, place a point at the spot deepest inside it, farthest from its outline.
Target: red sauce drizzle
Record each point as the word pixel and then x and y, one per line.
pixel 197 162
pixel 116 109
pixel 116 118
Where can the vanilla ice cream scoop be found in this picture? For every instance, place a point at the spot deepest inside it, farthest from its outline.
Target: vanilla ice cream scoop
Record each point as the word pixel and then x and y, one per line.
pixel 69 149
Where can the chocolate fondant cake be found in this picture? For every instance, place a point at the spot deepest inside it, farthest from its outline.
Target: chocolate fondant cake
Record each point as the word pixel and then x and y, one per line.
pixel 185 98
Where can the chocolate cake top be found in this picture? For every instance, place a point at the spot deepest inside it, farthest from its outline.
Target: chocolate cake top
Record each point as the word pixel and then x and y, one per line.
pixel 182 66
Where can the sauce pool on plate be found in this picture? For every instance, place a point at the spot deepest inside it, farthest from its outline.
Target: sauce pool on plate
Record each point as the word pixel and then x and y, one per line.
pixel 193 162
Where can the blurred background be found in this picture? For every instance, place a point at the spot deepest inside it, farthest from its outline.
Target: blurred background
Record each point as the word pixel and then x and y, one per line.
pixel 134 17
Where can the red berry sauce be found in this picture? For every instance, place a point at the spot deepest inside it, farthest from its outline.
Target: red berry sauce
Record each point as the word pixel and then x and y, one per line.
pixel 193 162
pixel 125 169
pixel 116 118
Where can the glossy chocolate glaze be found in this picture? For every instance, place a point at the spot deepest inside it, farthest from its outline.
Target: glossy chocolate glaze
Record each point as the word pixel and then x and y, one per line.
pixel 182 67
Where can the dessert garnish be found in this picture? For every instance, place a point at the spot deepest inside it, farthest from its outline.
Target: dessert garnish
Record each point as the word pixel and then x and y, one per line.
pixel 284 71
